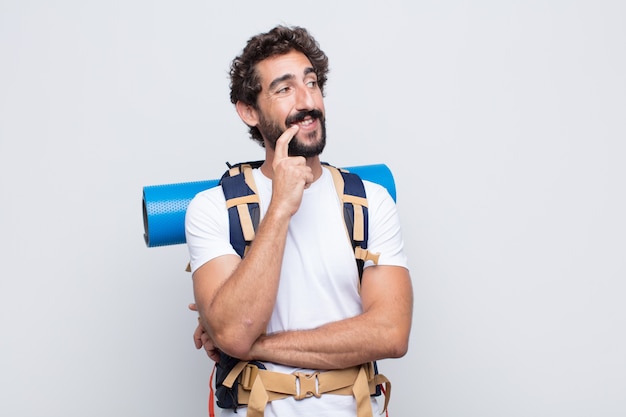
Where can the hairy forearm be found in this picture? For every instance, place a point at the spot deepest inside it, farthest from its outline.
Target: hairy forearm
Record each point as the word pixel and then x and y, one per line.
pixel 381 331
pixel 336 345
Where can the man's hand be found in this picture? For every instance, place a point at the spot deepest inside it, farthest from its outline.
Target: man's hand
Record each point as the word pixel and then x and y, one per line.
pixel 291 175
pixel 202 339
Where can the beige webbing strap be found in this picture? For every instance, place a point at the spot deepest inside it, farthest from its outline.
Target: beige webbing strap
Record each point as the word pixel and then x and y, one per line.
pixel 247 173
pixel 382 379
pixel 358 232
pixel 258 399
pixel 234 373
pixel 257 387
pixel 241 203
pixel 366 255
pixel 242 200
pixel 246 222
pixel 337 179
pixel 339 183
pixel 234 171
pixel 357 203
pixel 358 227
pixel 356 200
pixel 361 392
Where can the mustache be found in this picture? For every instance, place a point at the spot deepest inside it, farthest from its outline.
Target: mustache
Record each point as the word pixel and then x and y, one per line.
pixel 300 116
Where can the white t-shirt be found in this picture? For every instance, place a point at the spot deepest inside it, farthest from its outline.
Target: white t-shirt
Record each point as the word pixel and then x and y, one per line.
pixel 319 277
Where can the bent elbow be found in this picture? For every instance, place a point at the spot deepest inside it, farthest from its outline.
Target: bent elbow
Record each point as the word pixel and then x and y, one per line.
pixel 234 346
pixel 236 341
pixel 239 352
pixel 235 338
pixel 399 349
pixel 399 345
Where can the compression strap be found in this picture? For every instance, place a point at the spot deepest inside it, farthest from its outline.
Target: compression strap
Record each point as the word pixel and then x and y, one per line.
pixel 257 387
pixel 351 193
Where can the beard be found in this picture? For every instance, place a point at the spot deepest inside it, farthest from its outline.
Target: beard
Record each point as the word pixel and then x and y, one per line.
pixel 271 132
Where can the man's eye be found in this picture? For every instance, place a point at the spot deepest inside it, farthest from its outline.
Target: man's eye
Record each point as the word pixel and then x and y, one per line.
pixel 283 90
pixel 311 84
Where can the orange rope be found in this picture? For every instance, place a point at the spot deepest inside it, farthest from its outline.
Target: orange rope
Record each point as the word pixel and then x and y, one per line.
pixel 212 394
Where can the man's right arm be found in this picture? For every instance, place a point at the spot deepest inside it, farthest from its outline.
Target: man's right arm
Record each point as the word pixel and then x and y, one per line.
pixel 235 297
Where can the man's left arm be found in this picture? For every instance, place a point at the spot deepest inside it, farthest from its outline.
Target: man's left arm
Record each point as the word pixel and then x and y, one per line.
pixel 380 332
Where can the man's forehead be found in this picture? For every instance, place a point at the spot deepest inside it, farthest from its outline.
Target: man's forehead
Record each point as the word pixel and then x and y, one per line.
pixel 292 63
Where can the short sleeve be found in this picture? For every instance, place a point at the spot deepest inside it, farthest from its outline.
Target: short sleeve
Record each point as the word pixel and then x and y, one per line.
pixel 206 227
pixel 385 234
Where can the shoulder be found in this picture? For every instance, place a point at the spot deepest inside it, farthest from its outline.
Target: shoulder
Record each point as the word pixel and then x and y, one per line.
pixel 377 194
pixel 211 197
pixel 207 207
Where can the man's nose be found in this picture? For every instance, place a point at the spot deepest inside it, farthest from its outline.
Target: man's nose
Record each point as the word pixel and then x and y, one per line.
pixel 304 98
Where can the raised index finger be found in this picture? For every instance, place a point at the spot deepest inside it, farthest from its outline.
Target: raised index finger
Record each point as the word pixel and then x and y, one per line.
pixel 282 144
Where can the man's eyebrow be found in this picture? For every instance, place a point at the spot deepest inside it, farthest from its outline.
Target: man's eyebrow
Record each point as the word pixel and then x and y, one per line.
pixel 279 80
pixel 286 77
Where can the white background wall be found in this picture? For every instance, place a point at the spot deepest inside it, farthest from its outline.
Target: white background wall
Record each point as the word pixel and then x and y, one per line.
pixel 502 121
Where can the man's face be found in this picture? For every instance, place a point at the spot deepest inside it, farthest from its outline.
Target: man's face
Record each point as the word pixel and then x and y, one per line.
pixel 290 95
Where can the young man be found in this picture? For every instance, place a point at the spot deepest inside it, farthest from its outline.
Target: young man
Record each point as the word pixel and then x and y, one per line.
pixel 294 302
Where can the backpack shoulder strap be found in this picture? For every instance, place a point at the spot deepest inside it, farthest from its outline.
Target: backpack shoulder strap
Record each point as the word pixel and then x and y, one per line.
pixel 242 202
pixel 351 192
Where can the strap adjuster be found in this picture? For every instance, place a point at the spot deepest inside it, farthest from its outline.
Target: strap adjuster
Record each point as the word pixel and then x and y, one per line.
pixel 248 375
pixel 307 385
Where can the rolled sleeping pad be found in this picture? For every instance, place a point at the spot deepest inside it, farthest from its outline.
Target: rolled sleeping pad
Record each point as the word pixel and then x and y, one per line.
pixel 164 206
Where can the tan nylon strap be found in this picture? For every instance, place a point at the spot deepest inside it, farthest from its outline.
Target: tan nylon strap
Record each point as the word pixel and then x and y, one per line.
pixel 366 255
pixel 358 203
pixel 258 399
pixel 338 180
pixel 246 222
pixel 355 200
pixel 339 381
pixel 339 183
pixel 358 228
pixel 242 202
pixel 334 382
pixel 246 199
pixel 382 379
pixel 247 174
pixel 248 377
pixel 258 386
pixel 234 373
pixel 248 178
pixel 361 393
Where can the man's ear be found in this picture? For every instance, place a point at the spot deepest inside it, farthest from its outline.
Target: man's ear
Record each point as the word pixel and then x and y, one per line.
pixel 247 113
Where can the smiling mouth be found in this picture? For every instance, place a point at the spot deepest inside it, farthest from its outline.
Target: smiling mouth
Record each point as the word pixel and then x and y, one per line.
pixel 305 118
pixel 304 123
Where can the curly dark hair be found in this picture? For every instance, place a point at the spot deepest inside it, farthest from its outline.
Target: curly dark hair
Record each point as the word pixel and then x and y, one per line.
pixel 245 84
